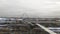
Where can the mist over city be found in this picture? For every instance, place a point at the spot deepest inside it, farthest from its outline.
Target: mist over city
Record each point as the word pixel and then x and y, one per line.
pixel 31 8
pixel 29 16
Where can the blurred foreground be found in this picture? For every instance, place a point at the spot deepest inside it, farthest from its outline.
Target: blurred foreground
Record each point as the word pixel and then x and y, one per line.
pixel 27 25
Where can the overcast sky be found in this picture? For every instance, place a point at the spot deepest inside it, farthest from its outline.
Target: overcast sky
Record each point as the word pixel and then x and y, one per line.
pixel 30 8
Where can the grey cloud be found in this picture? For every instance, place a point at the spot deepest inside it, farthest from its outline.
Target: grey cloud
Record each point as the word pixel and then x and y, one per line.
pixel 31 8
